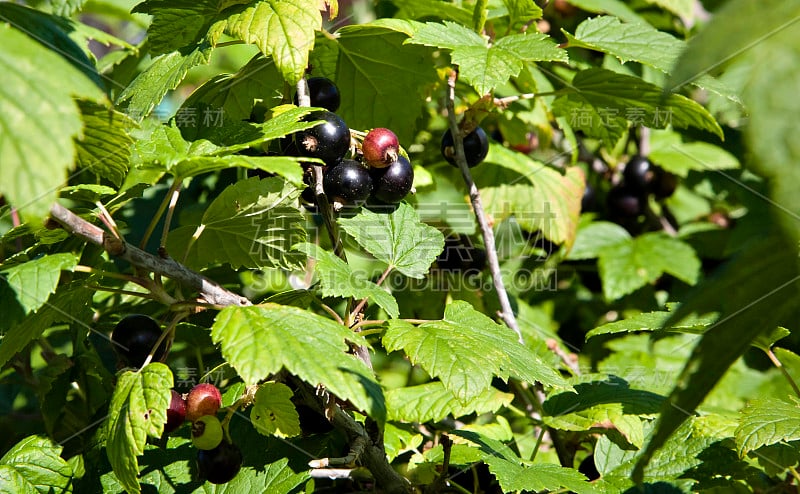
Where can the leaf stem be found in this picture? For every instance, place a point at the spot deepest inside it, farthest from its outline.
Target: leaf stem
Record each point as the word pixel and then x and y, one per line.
pixel 363 301
pixel 167 333
pixel 779 365
pixel 174 193
pixel 479 15
pixel 157 217
pixel 507 313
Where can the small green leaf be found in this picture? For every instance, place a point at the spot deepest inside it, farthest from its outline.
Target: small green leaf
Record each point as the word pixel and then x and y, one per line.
pixel 466 350
pixel 512 476
pixel 337 279
pixel 177 24
pixel 138 409
pixel 681 157
pixel 398 238
pixel 592 238
pixel 260 341
pixel 34 281
pixel 252 223
pixel 433 402
pixel 273 412
pixel 653 321
pixel 614 7
pixel 628 266
pixel 35 465
pixel 767 421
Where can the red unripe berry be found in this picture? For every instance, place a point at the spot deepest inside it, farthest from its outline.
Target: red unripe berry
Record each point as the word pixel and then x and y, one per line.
pixel 380 147
pixel 203 399
pixel 176 413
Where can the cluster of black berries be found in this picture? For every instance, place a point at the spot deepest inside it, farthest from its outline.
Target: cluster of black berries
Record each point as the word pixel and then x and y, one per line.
pixel 218 460
pixel 376 168
pixel 640 178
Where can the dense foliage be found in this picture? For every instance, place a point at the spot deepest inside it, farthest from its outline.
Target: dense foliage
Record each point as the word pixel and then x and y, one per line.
pixel 399 246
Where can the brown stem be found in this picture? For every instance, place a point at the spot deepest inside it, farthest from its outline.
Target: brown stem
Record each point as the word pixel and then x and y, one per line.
pixel 777 363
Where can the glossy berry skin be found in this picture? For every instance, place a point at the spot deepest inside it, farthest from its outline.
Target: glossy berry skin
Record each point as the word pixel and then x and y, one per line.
pixel 328 141
pixel 323 93
pixel 203 399
pixel 393 183
pixel 348 181
pixel 176 413
pixel 206 432
pixel 134 337
pixel 640 174
pixel 476 147
pixel 380 147
pixel 221 464
pixel 624 202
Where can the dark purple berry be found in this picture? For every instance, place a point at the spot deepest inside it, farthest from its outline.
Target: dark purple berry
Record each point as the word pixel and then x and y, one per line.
pixel 393 183
pixel 323 93
pixel 348 181
pixel 476 147
pixel 221 464
pixel 176 413
pixel 624 202
pixel 640 174
pixel 134 337
pixel 328 141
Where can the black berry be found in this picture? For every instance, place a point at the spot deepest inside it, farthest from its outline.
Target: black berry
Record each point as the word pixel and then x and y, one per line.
pixel 176 413
pixel 589 198
pixel 665 184
pixel 323 93
pixel 347 181
pixel 328 141
pixel 221 464
pixel 393 183
pixel 380 147
pixel 458 256
pixel 624 201
pixel 134 337
pixel 640 174
pixel 203 399
pixel 476 147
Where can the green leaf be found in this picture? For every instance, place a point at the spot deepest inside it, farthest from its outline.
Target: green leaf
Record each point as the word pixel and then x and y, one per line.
pixel 466 350
pixel 337 279
pixel 162 76
pixel 653 321
pixel 273 412
pixel 398 238
pixel 178 24
pixel 420 9
pixel 282 29
pixel 521 12
pixel 681 157
pixel 34 281
pixel 35 465
pixel 638 42
pixel 252 223
pixel 628 266
pixel 613 7
pixel 594 237
pixel 260 341
pixel 38 147
pixel 767 421
pixel 138 409
pixel 433 402
pixel 105 147
pixel 512 476
pixel 483 65
pixel 540 198
pixel 598 101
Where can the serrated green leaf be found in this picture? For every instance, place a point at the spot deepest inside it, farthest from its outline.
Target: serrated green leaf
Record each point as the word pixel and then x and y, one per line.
pixel 639 42
pixel 613 7
pixel 105 147
pixel 273 412
pixel 767 421
pixel 420 9
pixel 522 11
pixel 466 350
pixel 512 476
pixel 594 237
pixel 177 24
pixel 483 65
pixel 34 281
pixel 678 157
pixel 35 465
pixel 653 321
pixel 628 266
pixel 138 409
pixel 765 340
pixel 398 238
pixel 282 29
pixel 260 341
pixel 37 148
pixel 599 100
pixel 433 402
pixel 252 223
pixel 337 279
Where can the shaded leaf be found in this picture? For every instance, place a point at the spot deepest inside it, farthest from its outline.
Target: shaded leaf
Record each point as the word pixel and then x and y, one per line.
pixel 35 465
pixel 433 402
pixel 273 411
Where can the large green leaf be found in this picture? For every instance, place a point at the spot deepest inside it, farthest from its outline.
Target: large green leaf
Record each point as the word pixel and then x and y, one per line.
pixel 34 281
pixel 486 66
pixel 138 409
pixel 433 402
pixel 37 148
pixel 768 421
pixel 260 341
pixel 398 238
pixel 675 156
pixel 252 223
pixel 105 147
pixel 596 236
pixel 35 465
pixel 178 24
pixel 513 476
pixel 466 350
pixel 337 279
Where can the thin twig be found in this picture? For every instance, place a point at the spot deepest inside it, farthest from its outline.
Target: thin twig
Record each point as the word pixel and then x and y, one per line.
pixel 777 363
pixel 363 301
pixel 159 212
pixel 173 201
pixel 507 312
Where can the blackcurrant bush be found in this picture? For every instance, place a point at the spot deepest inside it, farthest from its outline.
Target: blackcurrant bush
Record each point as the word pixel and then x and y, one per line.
pixel 476 147
pixel 323 93
pixel 221 464
pixel 206 432
pixel 176 413
pixel 640 174
pixel 203 399
pixel 380 147
pixel 393 183
pixel 328 141
pixel 348 181
pixel 624 201
pixel 134 337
